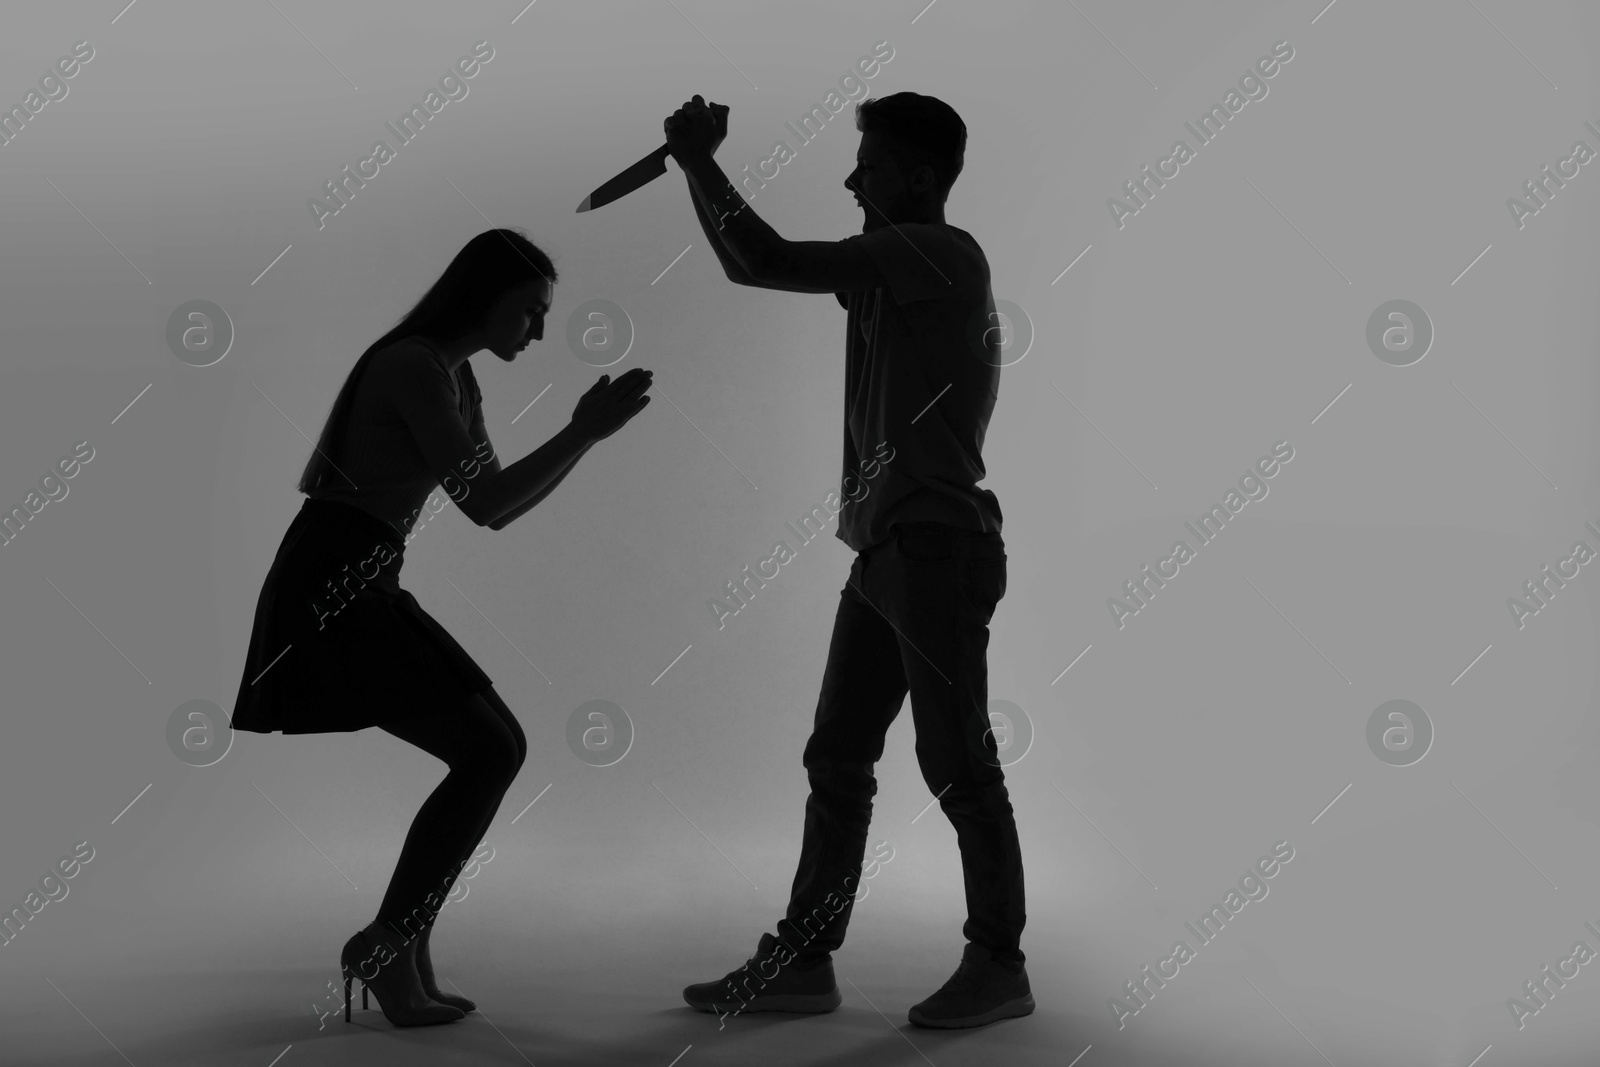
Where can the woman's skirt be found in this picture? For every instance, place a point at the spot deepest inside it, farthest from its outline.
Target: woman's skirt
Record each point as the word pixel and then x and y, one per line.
pixel 337 644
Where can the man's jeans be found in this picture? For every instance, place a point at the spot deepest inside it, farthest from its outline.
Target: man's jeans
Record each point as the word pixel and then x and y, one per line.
pixel 913 615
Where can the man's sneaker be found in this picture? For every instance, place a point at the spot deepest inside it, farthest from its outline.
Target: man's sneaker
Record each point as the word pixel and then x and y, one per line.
pixel 981 991
pixel 766 984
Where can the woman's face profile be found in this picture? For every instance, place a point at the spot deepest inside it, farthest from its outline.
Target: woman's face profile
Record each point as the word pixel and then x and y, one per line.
pixel 517 318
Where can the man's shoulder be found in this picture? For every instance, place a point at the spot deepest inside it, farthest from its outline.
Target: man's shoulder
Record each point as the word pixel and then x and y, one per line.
pixel 926 261
pixel 965 240
pixel 952 249
pixel 934 238
pixel 944 230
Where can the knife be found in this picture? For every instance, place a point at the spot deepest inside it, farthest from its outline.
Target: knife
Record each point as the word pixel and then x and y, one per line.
pixel 640 174
pixel 643 172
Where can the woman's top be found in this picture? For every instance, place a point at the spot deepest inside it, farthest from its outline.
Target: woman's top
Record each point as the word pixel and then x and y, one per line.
pixel 412 425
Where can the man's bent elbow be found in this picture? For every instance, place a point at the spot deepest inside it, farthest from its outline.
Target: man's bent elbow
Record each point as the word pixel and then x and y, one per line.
pixel 477 515
pixel 734 271
pixel 755 270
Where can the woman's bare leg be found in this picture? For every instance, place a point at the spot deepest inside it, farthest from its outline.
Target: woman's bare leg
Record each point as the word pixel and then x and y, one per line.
pixel 483 755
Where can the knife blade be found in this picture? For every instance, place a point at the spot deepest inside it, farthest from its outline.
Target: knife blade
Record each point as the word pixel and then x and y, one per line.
pixel 647 169
pixel 640 174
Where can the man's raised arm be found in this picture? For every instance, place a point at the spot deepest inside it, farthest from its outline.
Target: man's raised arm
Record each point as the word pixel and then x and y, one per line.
pixel 769 260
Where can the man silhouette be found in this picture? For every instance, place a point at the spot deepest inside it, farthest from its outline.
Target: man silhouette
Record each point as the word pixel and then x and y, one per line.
pixel 921 375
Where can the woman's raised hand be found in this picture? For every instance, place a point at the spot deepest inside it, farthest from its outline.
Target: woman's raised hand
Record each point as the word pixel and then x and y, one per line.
pixel 608 405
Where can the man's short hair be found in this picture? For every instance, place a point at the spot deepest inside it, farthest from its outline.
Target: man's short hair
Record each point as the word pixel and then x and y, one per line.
pixel 919 130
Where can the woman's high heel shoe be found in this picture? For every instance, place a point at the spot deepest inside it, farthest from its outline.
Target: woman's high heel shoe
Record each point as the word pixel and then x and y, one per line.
pixel 383 963
pixel 425 972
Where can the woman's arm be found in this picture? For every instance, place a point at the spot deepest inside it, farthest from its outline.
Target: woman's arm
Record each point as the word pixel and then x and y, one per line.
pixel 516 513
pixel 480 434
pixel 498 496
pixel 419 386
pixel 420 389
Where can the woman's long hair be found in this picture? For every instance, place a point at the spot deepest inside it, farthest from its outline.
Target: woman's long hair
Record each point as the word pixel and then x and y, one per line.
pixel 487 267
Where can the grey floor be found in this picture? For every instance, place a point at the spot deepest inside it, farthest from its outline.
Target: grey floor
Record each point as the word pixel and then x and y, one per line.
pixel 551 996
pixel 216 991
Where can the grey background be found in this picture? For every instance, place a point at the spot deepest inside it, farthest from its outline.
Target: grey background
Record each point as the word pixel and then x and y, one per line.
pixel 1224 718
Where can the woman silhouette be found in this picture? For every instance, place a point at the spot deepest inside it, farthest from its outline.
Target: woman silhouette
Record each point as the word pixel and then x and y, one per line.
pixel 337 645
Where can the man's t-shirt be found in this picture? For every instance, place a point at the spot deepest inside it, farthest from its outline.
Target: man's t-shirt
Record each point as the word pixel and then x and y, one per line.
pixel 409 423
pixel 921 379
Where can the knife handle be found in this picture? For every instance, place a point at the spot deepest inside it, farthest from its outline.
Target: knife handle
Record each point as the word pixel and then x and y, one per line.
pixel 721 113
